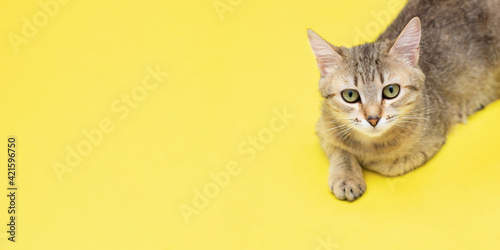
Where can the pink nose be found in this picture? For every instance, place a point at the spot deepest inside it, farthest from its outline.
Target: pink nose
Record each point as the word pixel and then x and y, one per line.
pixel 373 120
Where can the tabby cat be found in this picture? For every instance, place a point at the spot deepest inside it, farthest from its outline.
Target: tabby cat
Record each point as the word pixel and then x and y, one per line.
pixel 389 105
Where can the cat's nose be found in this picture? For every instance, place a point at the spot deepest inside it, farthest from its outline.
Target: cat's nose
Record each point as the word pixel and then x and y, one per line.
pixel 373 120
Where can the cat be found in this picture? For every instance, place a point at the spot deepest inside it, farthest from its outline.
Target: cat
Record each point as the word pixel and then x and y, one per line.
pixel 389 105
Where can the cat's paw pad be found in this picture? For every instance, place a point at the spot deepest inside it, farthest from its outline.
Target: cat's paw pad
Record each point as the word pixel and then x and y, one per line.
pixel 348 188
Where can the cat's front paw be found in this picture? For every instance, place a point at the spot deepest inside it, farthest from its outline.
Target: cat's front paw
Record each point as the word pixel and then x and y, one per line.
pixel 347 187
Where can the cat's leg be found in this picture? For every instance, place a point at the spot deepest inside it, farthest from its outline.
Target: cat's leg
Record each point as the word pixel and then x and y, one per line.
pixel 403 164
pixel 400 165
pixel 346 176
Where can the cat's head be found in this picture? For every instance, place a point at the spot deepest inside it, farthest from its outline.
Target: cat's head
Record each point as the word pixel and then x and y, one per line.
pixel 370 85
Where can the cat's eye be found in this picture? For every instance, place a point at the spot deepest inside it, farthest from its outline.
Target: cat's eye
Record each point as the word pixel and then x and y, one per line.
pixel 350 95
pixel 390 91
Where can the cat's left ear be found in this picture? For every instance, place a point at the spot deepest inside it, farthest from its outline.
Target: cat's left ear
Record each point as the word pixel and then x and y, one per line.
pixel 407 46
pixel 326 56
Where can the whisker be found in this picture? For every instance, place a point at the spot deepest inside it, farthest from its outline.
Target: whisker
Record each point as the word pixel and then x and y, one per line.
pixel 408 122
pixel 424 109
pixel 334 129
pixel 342 131
pixel 342 119
pixel 334 132
pixel 412 118
pixel 403 127
pixel 346 134
pixel 338 126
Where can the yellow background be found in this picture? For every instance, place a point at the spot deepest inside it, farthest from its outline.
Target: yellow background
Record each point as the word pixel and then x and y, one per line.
pixel 227 76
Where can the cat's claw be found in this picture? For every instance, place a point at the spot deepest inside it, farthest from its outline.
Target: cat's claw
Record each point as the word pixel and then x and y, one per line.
pixel 348 188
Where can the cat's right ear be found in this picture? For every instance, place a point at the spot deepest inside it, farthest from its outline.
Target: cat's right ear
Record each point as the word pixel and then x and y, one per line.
pixel 407 45
pixel 326 56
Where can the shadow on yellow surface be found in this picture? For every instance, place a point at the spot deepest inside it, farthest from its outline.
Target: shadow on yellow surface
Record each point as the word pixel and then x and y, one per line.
pixel 190 125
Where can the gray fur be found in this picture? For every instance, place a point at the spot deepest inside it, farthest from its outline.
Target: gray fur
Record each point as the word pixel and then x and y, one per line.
pixel 457 74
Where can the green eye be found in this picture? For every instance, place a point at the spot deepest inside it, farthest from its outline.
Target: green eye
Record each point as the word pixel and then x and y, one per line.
pixel 350 95
pixel 390 91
